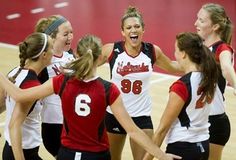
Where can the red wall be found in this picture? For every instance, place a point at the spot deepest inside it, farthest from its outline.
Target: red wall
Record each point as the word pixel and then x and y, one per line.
pixel 163 18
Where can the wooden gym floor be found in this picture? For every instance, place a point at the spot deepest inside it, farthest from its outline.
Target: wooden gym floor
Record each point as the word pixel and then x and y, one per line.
pixel 95 17
pixel 159 92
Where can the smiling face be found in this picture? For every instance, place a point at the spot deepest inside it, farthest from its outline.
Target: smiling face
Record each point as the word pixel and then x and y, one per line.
pixel 132 31
pixel 64 37
pixel 203 24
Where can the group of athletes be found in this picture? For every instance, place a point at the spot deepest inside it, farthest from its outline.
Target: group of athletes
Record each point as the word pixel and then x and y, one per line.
pixel 55 96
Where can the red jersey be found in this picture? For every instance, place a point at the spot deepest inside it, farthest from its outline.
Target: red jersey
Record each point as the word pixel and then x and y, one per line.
pixel 84 105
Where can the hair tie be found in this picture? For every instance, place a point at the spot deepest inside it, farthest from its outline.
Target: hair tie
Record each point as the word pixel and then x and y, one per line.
pixel 89 51
pixel 25 43
pixel 44 46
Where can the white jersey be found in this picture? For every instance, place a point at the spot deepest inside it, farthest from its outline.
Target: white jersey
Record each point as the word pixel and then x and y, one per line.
pixel 52 111
pixel 132 77
pixel 218 104
pixel 192 122
pixel 31 128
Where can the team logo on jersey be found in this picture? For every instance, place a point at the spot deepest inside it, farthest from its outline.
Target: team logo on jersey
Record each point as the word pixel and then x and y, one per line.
pixel 116 129
pixel 56 69
pixel 125 69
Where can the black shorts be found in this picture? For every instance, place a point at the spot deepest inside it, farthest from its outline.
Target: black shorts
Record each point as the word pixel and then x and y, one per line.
pixel 29 154
pixel 113 126
pixel 219 129
pixel 51 135
pixel 189 151
pixel 69 154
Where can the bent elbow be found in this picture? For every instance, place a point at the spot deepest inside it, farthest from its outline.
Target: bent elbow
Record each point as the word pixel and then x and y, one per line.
pixel 19 97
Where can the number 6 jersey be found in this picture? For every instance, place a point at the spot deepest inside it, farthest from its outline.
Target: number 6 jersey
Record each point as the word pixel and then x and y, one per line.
pixel 84 106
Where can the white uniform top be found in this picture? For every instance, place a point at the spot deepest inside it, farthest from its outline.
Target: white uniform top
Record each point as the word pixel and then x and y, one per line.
pixel 218 104
pixel 52 112
pixel 132 77
pixel 192 122
pixel 31 128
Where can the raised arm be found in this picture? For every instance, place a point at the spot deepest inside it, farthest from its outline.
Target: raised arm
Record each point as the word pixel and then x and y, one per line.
pixel 227 68
pixel 172 110
pixel 137 134
pixel 2 100
pixel 17 119
pixel 26 95
pixel 106 51
pixel 166 63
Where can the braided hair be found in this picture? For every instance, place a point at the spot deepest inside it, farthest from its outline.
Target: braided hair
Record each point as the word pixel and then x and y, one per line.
pixel 31 48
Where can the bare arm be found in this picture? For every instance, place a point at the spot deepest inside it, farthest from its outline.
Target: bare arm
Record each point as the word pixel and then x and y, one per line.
pixel 172 110
pixel 137 134
pixel 18 116
pixel 165 63
pixel 227 68
pixel 26 95
pixel 106 51
pixel 2 100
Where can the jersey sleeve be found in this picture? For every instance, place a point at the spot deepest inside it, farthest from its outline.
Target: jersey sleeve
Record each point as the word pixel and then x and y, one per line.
pixel 29 84
pixel 57 82
pixel 221 48
pixel 180 89
pixel 154 59
pixel 114 93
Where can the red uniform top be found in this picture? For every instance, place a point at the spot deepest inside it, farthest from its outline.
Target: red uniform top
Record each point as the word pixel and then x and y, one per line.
pixel 84 105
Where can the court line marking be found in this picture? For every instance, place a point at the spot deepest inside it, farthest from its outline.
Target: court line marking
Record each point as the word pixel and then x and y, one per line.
pixel 164 77
pixel 6 45
pixel 13 16
pixel 61 5
pixel 37 10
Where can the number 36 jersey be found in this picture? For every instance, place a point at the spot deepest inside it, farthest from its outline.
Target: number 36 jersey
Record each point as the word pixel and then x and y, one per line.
pixel 132 77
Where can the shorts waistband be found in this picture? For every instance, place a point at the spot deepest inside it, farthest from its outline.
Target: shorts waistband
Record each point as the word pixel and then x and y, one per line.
pixel 189 143
pixel 217 115
pixel 84 152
